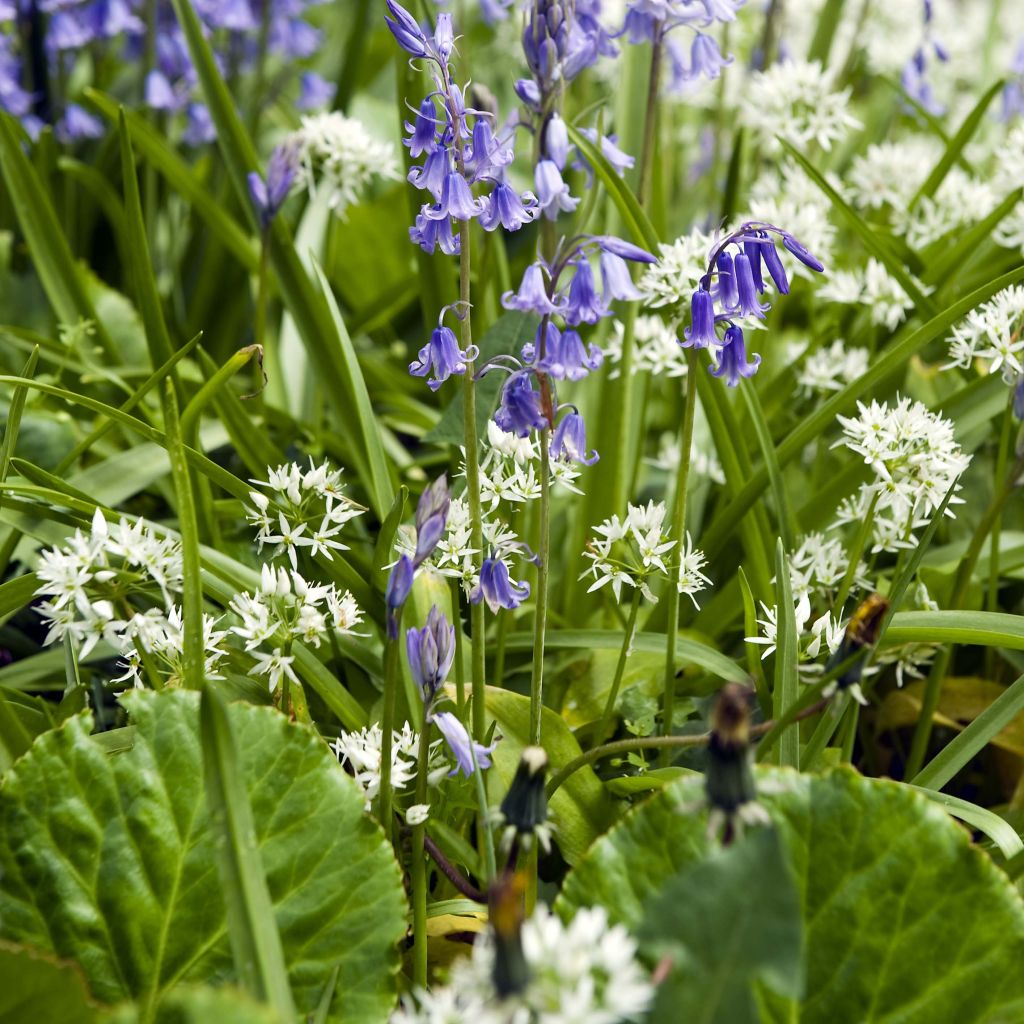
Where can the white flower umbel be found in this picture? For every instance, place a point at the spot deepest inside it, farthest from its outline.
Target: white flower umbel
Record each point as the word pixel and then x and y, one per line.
pixel 992 332
pixel 584 971
pixel 796 101
pixel 340 157
pixel 636 550
pixel 298 508
pixel 672 280
pixel 819 564
pixel 890 173
pixel 656 348
pixel 832 368
pixel 915 458
pixel 360 752
pixel 817 639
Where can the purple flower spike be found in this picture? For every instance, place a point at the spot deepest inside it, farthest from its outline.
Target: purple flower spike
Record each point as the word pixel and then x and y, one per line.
pixel 746 289
pixel 519 411
pixel 496 587
pixel 431 651
pixel 399 585
pixel 532 296
pixel 804 255
pixel 773 263
pixel 569 442
pixel 616 280
pixel 456 200
pixel 431 518
pixel 701 332
pixel 585 306
pixel 732 358
pixel 443 355
pixel 460 744
pixel 269 196
pixel 406 31
pixel 505 207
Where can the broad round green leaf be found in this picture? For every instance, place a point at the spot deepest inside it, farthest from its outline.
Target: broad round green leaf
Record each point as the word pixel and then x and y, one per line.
pixel 110 860
pixel 36 987
pixel 903 919
pixel 199 1005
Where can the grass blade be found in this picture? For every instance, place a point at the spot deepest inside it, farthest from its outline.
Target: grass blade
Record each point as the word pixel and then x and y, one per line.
pixel 787 685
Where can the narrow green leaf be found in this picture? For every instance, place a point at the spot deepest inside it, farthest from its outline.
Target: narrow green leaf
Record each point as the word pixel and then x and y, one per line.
pixel 620 193
pixel 828 22
pixel 875 245
pixel 787 684
pixel 787 523
pixel 956 145
pixel 14 414
pixel 985 629
pixel 255 940
pixel 997 829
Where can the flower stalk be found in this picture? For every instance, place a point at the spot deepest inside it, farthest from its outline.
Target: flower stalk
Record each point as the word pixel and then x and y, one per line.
pixel 620 667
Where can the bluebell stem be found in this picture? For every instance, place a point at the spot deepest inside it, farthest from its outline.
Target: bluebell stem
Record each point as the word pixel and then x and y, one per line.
pixel 431 518
pixel 431 651
pixel 442 355
pixel 398 587
pixel 496 587
pixel 732 358
pixel 269 196
pixel 569 441
pixel 468 753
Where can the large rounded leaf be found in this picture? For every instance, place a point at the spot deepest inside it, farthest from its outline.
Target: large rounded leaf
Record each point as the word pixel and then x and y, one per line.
pixel 110 860
pixel 903 919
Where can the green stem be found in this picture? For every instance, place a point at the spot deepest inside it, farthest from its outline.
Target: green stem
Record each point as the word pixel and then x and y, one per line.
pixel 678 534
pixel 541 616
pixel 620 668
pixel 261 291
pixel 646 169
pixel 992 591
pixel 460 673
pixel 418 869
pixel 853 555
pixel 483 820
pixel 387 725
pixel 830 722
pixel 933 687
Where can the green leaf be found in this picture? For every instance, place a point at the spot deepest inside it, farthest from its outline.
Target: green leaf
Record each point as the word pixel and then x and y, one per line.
pixel 787 653
pixel 36 987
pixel 903 919
pixel 22 719
pixel 581 809
pixel 112 861
pixel 956 145
pixel 255 941
pixel 193 1004
pixel 627 204
pixel 986 629
pixel 997 829
pixel 1003 710
pixel 727 940
pixel 877 246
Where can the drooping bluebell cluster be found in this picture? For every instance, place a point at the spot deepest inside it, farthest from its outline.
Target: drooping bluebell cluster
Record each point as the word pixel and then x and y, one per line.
pixel 431 651
pixel 40 48
pixel 565 294
pixel 268 194
pixel 653 21
pixel 460 149
pixel 914 77
pixel 733 283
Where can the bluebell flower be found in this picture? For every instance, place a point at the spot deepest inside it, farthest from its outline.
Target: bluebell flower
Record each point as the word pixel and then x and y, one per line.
pixel 623 249
pixel 423 131
pixel 804 255
pixel 519 411
pixel 615 279
pixel 462 747
pixel 565 356
pixel 433 173
pixel 773 264
pixel 160 94
pixel 747 302
pixel 431 651
pixel 199 129
pixel 552 192
pixel 406 30
pixel 396 592
pixel 620 161
pixel 569 441
pixel 431 234
pixel 456 200
pixel 505 207
pixel 528 91
pixel 269 196
pixel 444 36
pixel 752 250
pixel 315 92
pixel 706 58
pixel 701 332
pixel 732 358
pixel 494 10
pixel 725 290
pixel 496 587
pixel 532 296
pixel 487 154
pixel 442 355
pixel 431 518
pixel 556 141
pixel 584 305
pixel 76 124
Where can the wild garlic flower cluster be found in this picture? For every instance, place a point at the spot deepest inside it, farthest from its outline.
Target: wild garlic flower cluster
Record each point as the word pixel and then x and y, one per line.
pixel 831 368
pixel 509 469
pixel 916 460
pixel 994 333
pixel 816 639
pixel 304 509
pixel 586 970
pixel 819 564
pixel 340 158
pixel 680 267
pixel 797 101
pixel 874 288
pixel 636 550
pixel 656 348
pixel 96 584
pixel 287 608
